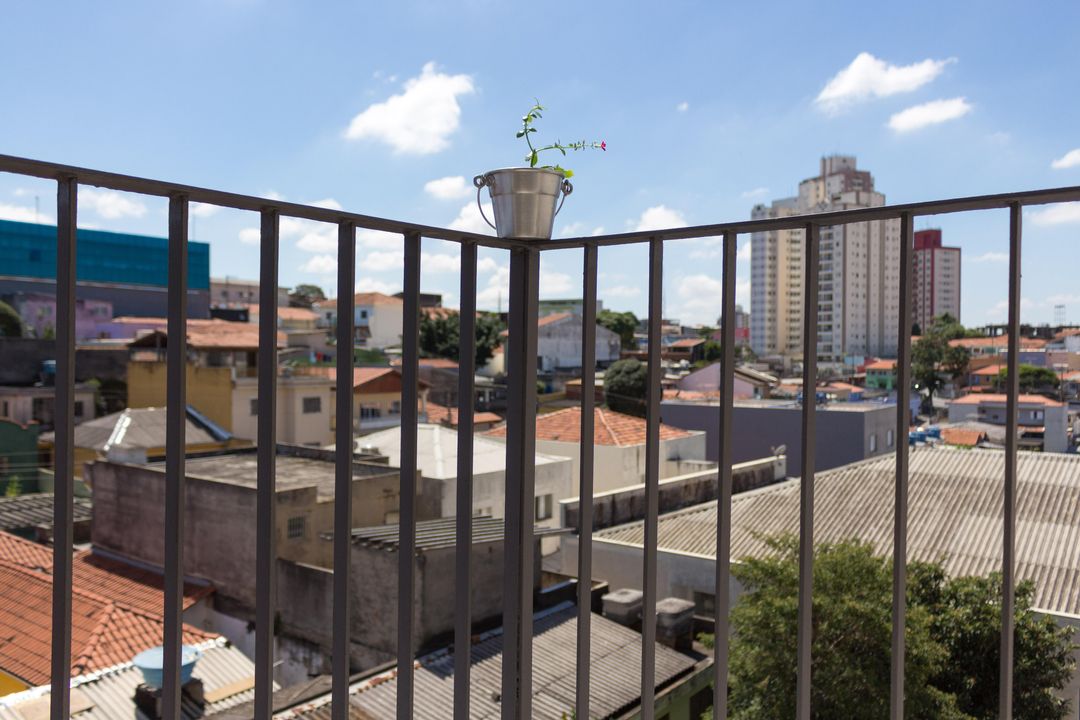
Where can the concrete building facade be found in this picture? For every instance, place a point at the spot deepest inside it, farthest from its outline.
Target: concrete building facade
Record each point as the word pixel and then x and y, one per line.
pixel 858 271
pixel 935 279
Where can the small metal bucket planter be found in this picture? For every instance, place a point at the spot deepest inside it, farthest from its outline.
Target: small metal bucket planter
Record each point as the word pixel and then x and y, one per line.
pixel 524 200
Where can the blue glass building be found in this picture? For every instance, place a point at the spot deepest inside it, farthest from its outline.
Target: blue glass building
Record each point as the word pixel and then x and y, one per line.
pixel 130 271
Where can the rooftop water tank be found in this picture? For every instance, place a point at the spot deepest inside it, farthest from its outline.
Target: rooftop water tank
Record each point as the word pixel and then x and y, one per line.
pixel 152 664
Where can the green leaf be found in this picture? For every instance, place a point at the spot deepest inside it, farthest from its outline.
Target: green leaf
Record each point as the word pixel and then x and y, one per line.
pixel 533 159
pixel 520 133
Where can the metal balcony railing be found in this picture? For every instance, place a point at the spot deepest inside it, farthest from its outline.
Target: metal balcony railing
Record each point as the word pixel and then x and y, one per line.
pixel 521 363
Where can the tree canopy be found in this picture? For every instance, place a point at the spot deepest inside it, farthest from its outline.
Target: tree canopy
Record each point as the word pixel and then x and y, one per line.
pixel 306 295
pixel 625 385
pixel 622 324
pixel 932 355
pixel 1032 378
pixel 440 336
pixel 11 325
pixel 952 631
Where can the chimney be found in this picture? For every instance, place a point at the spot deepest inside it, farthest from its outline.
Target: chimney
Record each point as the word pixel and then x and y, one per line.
pixel 675 623
pixel 624 607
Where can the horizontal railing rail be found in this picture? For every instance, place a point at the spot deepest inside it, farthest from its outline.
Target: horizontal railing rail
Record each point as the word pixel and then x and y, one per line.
pixel 516 693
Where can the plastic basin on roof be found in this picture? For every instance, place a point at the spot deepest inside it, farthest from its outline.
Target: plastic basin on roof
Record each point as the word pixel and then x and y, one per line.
pixel 152 664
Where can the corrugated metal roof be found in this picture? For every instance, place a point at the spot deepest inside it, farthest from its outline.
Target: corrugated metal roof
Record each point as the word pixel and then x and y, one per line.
pixel 111 692
pixel 29 511
pixel 432 534
pixel 955 502
pixel 615 660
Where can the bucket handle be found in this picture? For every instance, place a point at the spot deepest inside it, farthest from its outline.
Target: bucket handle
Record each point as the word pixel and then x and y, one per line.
pixel 481 181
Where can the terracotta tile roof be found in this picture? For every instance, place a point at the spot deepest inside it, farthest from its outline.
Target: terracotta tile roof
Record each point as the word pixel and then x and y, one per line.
pixel 442 415
pixel 544 321
pixel 1071 376
pixel 998 341
pixel 361 375
pixel 886 365
pixel 103 633
pixel 991 370
pixel 429 362
pixel 127 585
pixel 288 313
pixel 610 428
pixel 1001 398
pixel 687 343
pixel 213 335
pixel 844 386
pixel 677 394
pixel 962 436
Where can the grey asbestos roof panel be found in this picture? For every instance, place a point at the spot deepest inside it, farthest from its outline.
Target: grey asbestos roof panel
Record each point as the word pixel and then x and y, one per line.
pixel 955 502
pixel 34 509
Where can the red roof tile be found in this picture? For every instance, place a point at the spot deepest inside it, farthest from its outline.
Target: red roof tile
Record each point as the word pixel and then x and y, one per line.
pixel 442 415
pixel 998 341
pixel 962 436
pixel 103 633
pixel 1000 398
pixel 885 365
pixel 365 298
pixel 610 428
pixel 687 343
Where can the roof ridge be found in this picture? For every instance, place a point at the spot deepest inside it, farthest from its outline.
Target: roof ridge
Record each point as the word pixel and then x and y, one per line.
pixel 603 420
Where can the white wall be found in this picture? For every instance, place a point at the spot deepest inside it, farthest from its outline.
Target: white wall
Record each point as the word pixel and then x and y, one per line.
pixel 385 321
pixel 559 344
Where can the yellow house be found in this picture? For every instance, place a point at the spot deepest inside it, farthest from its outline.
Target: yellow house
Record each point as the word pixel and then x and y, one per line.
pixel 376 395
pixel 222 382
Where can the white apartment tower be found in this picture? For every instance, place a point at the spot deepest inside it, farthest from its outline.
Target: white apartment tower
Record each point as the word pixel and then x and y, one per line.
pixel 859 270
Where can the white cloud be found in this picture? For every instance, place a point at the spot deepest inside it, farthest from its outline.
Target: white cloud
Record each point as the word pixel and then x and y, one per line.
pixel 621 291
pixel 469 219
pixel 110 204
pixel 453 187
pixel 421 119
pixel 991 257
pixel 573 229
pixel 368 284
pixel 659 217
pixel 1068 160
pixel 203 210
pixel 931 113
pixel 383 260
pixel 250 236
pixel 745 252
pixel 742 292
pixel 699 299
pixel 439 263
pixel 868 76
pixel 554 283
pixel 19 213
pixel 1000 310
pixel 598 230
pixel 1060 214
pixel 497 291
pixel 683 106
pixel 486 265
pixel 380 239
pixel 320 265
pixel 755 193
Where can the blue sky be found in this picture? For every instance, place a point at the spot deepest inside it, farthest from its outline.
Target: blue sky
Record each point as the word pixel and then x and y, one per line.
pixel 706 108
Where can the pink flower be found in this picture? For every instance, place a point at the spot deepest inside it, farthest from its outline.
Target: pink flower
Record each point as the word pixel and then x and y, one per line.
pixel 603 146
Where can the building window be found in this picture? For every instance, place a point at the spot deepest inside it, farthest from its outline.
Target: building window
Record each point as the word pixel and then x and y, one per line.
pixel 254 406
pixel 296 527
pixel 78 408
pixel 543 505
pixel 363 314
pixel 312 405
pixel 395 407
pixel 7 410
pixel 369 413
pixel 873 442
pixel 889 438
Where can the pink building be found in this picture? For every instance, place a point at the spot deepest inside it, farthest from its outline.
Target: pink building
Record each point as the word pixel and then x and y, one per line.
pixel 38 313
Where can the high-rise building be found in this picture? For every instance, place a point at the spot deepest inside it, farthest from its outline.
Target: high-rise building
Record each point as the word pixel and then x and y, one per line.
pixel 859 267
pixel 935 279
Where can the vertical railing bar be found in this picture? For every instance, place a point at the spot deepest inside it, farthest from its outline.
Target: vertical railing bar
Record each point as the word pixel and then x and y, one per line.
pixel 520 476
pixel 585 491
pixel 900 511
pixel 465 403
pixel 1012 388
pixel 175 445
pixel 811 240
pixel 652 481
pixel 343 473
pixel 266 501
pixel 724 474
pixel 410 354
pixel 64 410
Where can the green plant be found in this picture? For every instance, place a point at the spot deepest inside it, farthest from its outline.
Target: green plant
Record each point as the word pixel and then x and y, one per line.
pixel 625 386
pixel 528 128
pixel 622 324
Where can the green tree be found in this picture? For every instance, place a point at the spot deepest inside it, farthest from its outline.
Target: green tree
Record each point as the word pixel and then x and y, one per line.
pixel 932 355
pixel 306 295
pixel 622 324
pixel 625 385
pixel 14 486
pixel 440 336
pixel 952 631
pixel 11 325
pixel 1032 378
